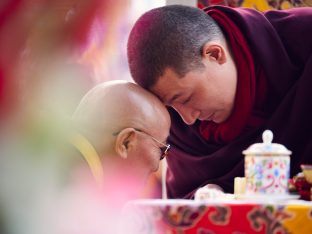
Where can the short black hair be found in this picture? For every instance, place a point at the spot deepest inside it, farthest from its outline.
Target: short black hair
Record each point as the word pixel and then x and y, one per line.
pixel 172 36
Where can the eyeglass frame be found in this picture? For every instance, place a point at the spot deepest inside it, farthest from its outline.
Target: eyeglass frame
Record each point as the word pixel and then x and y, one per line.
pixel 164 149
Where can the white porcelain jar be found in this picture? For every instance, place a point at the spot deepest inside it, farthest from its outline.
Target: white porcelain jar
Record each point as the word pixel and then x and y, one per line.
pixel 267 167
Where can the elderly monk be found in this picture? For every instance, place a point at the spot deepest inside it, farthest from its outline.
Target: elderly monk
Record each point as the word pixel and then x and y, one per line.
pixel 121 133
pixel 125 124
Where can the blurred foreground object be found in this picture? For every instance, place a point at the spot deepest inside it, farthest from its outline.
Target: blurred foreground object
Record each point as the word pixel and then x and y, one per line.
pixel 49 58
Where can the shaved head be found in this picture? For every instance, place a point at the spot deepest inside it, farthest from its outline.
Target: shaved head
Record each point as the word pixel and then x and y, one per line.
pixel 111 106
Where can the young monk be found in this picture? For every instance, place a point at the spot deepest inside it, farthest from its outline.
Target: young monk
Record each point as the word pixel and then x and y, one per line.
pixel 227 74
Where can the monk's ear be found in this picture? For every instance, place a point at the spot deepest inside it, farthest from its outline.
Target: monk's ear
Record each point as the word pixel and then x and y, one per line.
pixel 214 52
pixel 125 142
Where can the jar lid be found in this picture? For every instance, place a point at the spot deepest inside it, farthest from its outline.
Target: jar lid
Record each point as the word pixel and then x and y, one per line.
pixel 267 147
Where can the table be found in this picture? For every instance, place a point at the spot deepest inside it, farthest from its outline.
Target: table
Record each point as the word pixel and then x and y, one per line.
pixel 217 216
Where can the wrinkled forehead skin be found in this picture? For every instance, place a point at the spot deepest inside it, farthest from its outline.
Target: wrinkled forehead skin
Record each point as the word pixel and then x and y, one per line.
pixel 119 104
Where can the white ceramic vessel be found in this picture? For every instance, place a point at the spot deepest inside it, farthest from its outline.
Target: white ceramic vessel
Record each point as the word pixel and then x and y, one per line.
pixel 267 167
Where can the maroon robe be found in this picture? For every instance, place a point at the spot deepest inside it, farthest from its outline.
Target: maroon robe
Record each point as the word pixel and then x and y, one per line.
pixel 281 43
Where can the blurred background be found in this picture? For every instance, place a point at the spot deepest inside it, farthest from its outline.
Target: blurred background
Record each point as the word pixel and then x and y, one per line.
pixel 51 53
pixel 51 47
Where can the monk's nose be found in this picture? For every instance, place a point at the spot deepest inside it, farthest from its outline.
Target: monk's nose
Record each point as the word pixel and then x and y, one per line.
pixel 188 115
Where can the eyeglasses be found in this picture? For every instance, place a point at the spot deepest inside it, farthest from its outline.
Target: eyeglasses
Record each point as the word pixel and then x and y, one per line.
pixel 164 148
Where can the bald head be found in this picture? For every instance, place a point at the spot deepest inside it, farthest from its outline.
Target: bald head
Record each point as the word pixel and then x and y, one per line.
pixel 112 106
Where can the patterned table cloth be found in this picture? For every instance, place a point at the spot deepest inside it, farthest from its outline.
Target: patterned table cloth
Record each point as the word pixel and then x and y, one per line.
pixel 229 217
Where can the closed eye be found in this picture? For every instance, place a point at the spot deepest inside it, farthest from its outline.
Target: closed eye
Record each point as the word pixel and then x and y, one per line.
pixel 187 100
